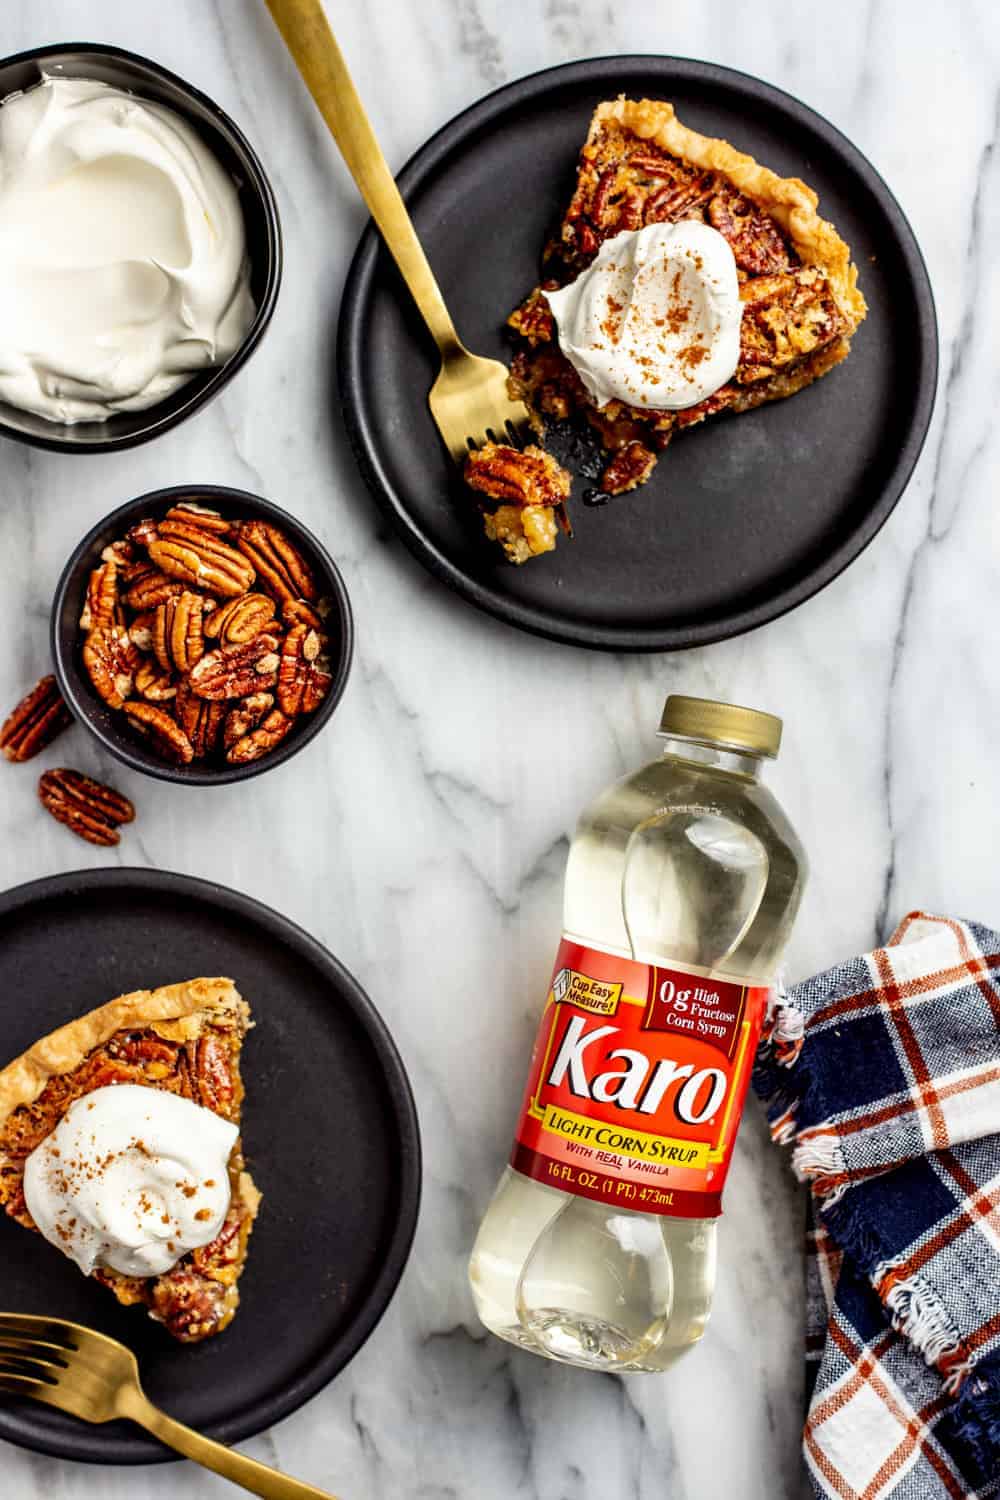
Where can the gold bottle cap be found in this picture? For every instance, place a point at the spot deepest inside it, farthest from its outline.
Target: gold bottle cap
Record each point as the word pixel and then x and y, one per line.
pixel 721 724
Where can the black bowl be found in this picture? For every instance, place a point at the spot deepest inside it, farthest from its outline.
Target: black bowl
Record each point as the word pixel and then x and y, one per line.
pixel 111 727
pixel 127 70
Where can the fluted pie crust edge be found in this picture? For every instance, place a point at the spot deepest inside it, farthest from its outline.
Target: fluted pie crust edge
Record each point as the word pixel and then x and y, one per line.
pixel 177 1012
pixel 791 202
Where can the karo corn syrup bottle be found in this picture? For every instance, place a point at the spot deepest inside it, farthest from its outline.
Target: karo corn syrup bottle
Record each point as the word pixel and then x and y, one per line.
pixel 683 882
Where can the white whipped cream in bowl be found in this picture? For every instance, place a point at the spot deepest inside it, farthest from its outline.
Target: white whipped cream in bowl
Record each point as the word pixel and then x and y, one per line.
pixel 140 249
pixel 654 321
pixel 131 1179
pixel 123 257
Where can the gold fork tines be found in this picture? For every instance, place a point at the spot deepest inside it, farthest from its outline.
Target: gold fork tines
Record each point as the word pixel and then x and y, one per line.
pixel 97 1379
pixel 470 404
pixel 469 399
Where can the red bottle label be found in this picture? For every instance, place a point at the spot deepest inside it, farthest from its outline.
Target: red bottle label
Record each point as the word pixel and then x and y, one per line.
pixel 637 1083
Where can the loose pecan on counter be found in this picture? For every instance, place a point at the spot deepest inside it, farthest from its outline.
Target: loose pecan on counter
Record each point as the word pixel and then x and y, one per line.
pixel 35 722
pixel 86 807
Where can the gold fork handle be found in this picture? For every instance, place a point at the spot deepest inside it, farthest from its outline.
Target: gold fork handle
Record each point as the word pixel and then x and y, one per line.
pixel 255 1477
pixel 313 45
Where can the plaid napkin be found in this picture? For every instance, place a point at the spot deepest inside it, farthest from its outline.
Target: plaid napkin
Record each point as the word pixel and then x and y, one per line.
pixel 883 1075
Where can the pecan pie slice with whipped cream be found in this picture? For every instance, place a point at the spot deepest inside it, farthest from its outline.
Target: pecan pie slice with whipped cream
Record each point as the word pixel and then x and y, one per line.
pixel 119 1142
pixel 798 298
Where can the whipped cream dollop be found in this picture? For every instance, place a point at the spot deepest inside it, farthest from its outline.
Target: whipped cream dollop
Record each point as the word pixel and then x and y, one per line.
pixel 654 321
pixel 123 259
pixel 131 1178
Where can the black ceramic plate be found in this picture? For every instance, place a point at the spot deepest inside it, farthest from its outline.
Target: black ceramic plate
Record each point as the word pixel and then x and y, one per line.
pixel 744 517
pixel 329 1129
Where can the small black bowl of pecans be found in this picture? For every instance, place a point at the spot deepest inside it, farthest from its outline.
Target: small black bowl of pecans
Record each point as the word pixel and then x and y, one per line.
pixel 202 634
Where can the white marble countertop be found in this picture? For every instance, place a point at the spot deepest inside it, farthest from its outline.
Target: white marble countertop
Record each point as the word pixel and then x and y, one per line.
pixel 423 838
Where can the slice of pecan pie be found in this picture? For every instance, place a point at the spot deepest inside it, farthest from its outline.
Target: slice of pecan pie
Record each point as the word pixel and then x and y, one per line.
pixel 798 288
pixel 184 1040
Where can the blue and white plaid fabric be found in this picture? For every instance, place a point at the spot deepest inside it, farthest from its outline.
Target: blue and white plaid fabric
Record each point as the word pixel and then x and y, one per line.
pixel 883 1076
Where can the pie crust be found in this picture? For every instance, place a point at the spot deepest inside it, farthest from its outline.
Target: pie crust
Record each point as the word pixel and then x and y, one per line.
pixel 197 1297
pixel 790 201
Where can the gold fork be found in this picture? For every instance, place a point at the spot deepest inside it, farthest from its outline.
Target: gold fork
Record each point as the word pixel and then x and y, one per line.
pixel 468 400
pixel 97 1379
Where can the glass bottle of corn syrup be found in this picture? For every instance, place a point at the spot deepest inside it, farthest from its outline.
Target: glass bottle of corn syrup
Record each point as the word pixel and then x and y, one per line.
pixel 683 882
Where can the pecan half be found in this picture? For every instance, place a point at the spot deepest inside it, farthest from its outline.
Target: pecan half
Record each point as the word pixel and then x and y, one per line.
pixel 651 165
pixel 753 236
pixel 143 532
pixel 111 661
pixel 240 619
pixel 201 720
pixel 196 556
pixel 235 671
pixel 87 807
pixel 281 568
pixel 178 632
pixel 261 740
pixel 140 632
pixel 101 607
pixel 629 467
pixel 522 476
pixel 35 722
pixel 187 1304
pixel 214 1075
pixel 199 515
pixel 167 736
pixel 155 684
pixel 303 677
pixel 301 612
pixel 679 200
pixel 121 553
pixel 149 588
pixel 533 320
pixel 607 186
pixel 245 717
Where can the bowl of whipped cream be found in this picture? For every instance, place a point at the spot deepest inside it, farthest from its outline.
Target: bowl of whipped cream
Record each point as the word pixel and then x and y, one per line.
pixel 140 248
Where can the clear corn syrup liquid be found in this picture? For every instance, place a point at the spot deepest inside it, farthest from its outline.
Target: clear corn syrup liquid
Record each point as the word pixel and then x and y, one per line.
pixel 690 861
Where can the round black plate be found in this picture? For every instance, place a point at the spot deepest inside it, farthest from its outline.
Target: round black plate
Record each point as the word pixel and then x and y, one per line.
pixel 746 516
pixel 329 1128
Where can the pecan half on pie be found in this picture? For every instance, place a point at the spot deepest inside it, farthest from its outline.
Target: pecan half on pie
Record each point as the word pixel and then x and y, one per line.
pixel 109 1128
pixel 793 307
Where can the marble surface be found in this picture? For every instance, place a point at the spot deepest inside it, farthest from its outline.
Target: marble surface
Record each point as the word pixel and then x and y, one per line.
pixel 423 837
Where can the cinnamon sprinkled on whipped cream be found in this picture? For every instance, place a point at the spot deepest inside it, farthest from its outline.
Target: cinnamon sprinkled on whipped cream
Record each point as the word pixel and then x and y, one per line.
pixel 654 321
pixel 122 1180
